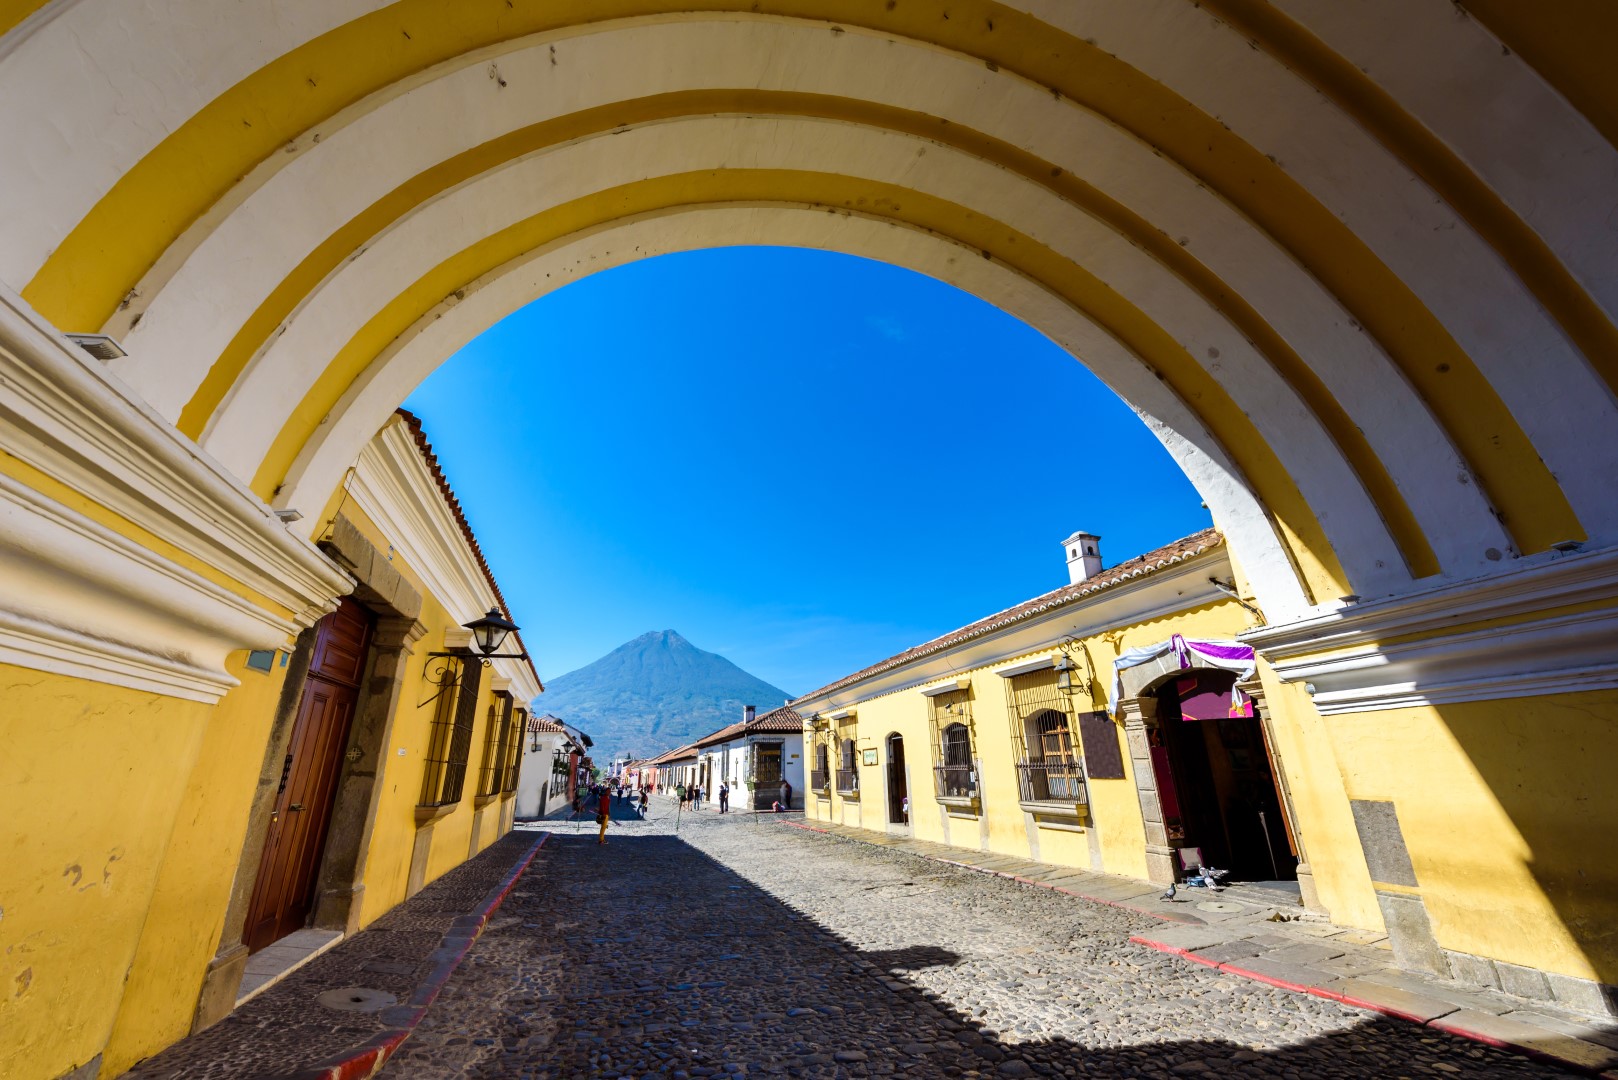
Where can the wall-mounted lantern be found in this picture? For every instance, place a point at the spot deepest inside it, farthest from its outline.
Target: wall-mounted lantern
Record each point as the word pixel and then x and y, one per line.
pixel 488 634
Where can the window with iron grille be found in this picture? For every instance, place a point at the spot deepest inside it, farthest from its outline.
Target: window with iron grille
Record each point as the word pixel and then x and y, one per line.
pixel 1049 768
pixel 514 733
pixel 496 737
pixel 953 774
pixel 848 768
pixel 451 737
pixel 820 775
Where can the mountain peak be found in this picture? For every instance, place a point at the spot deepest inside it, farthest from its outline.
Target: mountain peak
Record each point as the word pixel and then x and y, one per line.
pixel 654 692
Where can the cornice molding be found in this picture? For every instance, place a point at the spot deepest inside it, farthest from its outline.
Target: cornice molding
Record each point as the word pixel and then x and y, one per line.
pixel 1167 591
pixel 397 491
pixel 63 414
pixel 1343 658
pixel 84 601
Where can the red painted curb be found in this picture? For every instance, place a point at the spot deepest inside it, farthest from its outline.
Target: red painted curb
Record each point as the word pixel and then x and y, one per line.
pixel 367 1060
pixel 1384 1010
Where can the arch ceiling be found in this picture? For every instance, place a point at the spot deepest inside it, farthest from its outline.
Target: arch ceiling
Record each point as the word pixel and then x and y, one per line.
pixel 1355 264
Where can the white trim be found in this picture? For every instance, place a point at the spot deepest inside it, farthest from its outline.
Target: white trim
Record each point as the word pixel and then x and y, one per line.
pixel 84 601
pixel 954 687
pixel 1161 593
pixel 393 485
pixel 840 714
pixel 1340 657
pixel 67 417
pixel 1026 666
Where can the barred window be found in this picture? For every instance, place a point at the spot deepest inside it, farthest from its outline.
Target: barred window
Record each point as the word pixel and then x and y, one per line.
pixel 848 769
pixel 1049 768
pixel 450 741
pixel 953 773
pixel 514 732
pixel 820 776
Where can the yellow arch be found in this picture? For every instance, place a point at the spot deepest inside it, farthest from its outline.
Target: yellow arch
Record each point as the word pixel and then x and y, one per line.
pixel 329 255
pixel 1318 566
pixel 151 206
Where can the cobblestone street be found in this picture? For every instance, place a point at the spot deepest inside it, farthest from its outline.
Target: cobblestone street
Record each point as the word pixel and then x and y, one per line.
pixel 738 946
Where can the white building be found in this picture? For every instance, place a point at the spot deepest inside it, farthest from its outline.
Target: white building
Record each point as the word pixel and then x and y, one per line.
pixel 754 756
pixel 543 783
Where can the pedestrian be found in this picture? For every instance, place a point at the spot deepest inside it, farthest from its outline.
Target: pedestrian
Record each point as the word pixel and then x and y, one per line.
pixel 786 795
pixel 604 814
pixel 643 800
pixel 696 798
pixel 724 797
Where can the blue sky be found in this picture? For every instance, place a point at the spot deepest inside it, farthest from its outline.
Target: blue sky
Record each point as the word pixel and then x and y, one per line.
pixel 804 461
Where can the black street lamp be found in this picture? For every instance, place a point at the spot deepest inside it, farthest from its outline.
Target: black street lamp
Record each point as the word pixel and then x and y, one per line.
pixel 488 634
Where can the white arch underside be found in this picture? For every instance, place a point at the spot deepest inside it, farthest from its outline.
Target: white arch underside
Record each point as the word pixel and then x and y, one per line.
pixel 192 319
pixel 415 355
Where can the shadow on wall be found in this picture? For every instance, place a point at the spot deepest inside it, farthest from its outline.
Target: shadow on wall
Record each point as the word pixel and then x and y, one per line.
pixel 1551 766
pixel 784 992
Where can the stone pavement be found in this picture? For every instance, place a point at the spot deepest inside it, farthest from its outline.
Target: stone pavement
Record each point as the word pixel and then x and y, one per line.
pixel 741 947
pixel 355 999
pixel 1243 931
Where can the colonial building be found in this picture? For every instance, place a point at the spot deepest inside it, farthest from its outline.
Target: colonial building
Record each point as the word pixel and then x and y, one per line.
pixel 544 782
pixel 754 756
pixel 315 782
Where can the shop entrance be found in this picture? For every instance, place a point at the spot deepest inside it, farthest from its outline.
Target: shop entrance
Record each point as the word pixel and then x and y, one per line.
pixel 1216 781
pixel 284 889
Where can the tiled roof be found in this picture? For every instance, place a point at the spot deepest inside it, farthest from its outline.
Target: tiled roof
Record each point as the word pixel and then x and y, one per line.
pixel 1140 566
pixel 414 424
pixel 545 725
pixel 688 750
pixel 776 721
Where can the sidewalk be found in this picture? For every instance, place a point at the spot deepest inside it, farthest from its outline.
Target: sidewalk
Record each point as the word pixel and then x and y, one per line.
pixel 341 1015
pixel 1233 931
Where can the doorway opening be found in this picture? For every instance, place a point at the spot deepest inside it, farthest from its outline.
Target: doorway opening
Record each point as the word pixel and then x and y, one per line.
pixel 283 892
pixel 898 792
pixel 1217 783
pixel 767 774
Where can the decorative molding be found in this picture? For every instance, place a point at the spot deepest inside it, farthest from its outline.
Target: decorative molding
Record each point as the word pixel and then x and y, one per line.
pixel 84 601
pixel 63 414
pixel 1166 591
pixel 1340 655
pixel 396 490
pixel 1037 664
pixel 953 687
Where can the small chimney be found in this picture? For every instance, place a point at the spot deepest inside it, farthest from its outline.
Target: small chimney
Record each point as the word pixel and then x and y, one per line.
pixel 747 714
pixel 1083 556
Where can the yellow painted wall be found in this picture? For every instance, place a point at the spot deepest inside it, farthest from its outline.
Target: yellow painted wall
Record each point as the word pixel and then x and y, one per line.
pixel 1508 809
pixel 91 780
pixel 1114 804
pixel 393 836
pixel 186 918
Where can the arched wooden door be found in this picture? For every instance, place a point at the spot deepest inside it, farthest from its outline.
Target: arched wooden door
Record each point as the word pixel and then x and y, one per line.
pixel 284 889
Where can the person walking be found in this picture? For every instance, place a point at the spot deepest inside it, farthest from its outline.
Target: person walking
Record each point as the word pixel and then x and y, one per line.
pixel 696 798
pixel 644 799
pixel 724 797
pixel 604 813
pixel 786 796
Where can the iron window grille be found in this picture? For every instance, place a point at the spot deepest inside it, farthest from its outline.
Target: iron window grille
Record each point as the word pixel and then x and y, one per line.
pixel 514 729
pixel 951 729
pixel 820 775
pixel 496 744
pixel 1049 765
pixel 848 769
pixel 450 741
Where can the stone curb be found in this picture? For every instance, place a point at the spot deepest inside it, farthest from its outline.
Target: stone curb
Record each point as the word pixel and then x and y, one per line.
pixel 1458 1030
pixel 1436 1023
pixel 368 1059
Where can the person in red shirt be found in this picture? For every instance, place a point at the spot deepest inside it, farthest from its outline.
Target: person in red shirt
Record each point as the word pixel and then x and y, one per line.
pixel 604 813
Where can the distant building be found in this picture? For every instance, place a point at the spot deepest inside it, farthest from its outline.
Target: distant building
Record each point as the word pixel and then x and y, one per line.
pixel 754 756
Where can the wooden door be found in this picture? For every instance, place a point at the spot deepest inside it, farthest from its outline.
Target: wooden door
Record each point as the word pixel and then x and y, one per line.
pixel 284 890
pixel 898 813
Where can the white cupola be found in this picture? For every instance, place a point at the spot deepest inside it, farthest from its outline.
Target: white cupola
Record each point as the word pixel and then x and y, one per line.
pixel 1083 556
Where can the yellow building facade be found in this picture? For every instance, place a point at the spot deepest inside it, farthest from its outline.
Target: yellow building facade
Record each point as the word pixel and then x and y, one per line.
pixel 1352 264
pixel 1032 734
pixel 161 833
